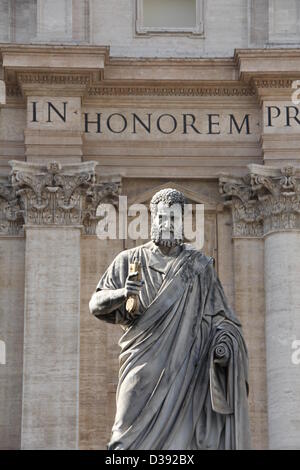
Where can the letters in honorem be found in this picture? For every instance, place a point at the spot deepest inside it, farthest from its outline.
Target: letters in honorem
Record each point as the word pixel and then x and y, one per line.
pixel 183 379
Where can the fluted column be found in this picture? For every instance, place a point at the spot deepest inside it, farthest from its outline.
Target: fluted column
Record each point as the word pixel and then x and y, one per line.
pixel 274 193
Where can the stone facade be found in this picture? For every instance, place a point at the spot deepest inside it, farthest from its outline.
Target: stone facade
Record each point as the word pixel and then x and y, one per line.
pixel 92 107
pixel 224 26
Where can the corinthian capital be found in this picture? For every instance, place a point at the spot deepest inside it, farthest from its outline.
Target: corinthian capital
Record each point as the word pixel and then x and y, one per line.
pixel 11 220
pixel 246 215
pixel 97 194
pixel 267 199
pixel 56 194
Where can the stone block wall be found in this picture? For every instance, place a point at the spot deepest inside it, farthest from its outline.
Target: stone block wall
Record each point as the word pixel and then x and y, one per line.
pixel 227 25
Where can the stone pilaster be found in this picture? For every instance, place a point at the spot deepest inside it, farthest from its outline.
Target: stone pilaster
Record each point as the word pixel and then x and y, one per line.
pixel 57 203
pixel 248 265
pixel 272 195
pixel 98 351
pixel 96 391
pixel 11 315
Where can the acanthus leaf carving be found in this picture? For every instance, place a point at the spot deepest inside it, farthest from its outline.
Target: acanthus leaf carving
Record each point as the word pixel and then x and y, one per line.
pixel 273 203
pixel 97 194
pixel 11 218
pixel 61 195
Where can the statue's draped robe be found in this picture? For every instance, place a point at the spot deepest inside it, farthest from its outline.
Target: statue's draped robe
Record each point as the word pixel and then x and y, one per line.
pixel 171 393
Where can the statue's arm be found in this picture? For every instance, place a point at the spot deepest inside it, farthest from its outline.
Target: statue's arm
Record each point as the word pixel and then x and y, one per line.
pixel 221 354
pixel 107 301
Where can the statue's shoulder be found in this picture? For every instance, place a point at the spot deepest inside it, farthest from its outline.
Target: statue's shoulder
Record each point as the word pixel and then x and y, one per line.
pixel 201 259
pixel 131 254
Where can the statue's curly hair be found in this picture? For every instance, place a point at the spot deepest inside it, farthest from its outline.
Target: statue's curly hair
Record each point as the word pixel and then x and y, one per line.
pixel 168 196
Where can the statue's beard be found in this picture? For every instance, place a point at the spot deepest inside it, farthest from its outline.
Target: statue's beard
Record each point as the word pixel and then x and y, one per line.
pixel 157 238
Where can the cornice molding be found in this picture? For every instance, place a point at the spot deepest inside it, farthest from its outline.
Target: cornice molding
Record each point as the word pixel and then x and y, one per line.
pixel 168 89
pixel 68 84
pixel 89 68
pixel 171 61
pixel 273 52
pixel 51 78
pixel 270 71
pixel 53 48
pixel 274 88
pixel 272 82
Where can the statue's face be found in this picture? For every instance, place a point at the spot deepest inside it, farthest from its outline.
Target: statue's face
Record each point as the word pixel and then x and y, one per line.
pixel 166 229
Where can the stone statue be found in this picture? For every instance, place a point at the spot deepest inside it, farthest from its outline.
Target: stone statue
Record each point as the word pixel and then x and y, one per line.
pixel 183 364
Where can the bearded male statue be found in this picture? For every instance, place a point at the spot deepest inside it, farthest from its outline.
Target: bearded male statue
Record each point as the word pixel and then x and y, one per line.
pixel 183 363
